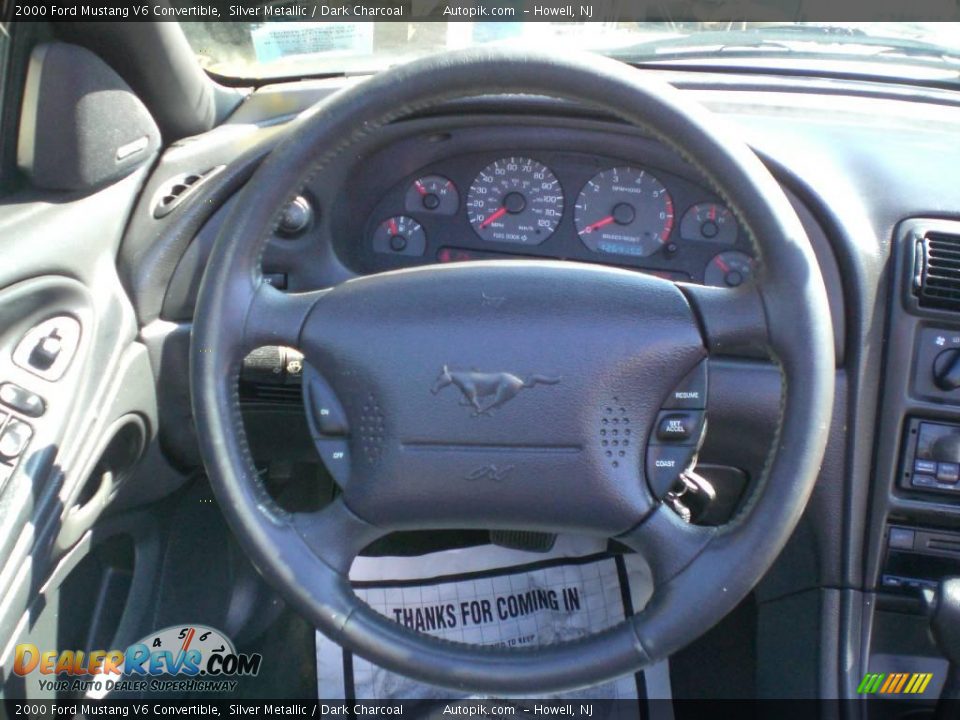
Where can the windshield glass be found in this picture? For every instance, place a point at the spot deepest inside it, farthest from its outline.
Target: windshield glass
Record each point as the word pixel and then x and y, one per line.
pixel 257 50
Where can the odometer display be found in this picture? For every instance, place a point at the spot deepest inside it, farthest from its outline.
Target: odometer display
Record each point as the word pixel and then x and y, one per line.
pixel 624 211
pixel 515 200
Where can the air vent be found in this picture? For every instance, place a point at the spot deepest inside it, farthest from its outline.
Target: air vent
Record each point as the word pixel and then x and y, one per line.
pixel 178 189
pixel 937 271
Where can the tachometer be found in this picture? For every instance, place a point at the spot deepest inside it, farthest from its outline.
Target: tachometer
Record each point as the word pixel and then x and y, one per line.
pixel 624 211
pixel 515 200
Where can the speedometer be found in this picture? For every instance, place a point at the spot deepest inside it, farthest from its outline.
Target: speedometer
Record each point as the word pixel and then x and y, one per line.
pixel 515 200
pixel 624 211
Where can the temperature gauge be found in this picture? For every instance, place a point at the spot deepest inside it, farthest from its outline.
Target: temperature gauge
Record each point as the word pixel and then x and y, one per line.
pixel 710 222
pixel 432 193
pixel 729 269
pixel 400 235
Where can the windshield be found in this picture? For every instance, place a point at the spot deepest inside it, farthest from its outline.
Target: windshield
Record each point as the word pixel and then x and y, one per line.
pixel 274 49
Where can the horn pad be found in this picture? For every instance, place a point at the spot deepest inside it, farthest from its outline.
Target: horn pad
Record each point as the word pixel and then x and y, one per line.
pixel 476 393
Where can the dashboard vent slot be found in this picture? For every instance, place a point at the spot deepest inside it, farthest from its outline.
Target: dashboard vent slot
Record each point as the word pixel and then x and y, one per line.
pixel 937 271
pixel 179 188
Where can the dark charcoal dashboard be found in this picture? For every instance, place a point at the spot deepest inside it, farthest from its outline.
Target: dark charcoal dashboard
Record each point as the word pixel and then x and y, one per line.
pixel 518 179
pixel 449 189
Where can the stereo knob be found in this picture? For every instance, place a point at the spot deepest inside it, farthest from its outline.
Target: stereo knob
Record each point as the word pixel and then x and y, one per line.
pixel 946 370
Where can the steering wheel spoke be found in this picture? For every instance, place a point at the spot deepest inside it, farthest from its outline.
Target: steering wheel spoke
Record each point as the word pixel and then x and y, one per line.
pixel 277 318
pixel 667 542
pixel 732 321
pixel 336 534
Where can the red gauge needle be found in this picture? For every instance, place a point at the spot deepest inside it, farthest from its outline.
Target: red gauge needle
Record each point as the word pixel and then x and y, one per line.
pixel 721 264
pixel 393 226
pixel 598 224
pixel 420 188
pixel 498 214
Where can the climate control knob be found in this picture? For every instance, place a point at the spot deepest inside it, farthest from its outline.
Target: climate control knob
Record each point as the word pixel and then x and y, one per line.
pixel 946 369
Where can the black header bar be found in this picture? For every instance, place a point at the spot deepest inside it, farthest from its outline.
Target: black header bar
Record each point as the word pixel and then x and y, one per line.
pixel 721 12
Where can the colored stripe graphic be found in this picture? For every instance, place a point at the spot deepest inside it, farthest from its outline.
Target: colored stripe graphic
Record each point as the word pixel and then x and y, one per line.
pixel 891 681
pixel 870 683
pixel 894 683
pixel 922 685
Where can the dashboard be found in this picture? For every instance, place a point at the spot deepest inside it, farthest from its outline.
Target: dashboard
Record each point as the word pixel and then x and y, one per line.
pixel 487 187
pixel 855 160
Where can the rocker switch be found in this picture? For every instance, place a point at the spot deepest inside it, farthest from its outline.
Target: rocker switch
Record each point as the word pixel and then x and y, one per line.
pixel 14 439
pixel 46 351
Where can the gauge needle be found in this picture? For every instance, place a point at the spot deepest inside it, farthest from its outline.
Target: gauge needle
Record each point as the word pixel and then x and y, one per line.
pixel 721 264
pixel 498 214
pixel 420 188
pixel 187 640
pixel 393 226
pixel 598 224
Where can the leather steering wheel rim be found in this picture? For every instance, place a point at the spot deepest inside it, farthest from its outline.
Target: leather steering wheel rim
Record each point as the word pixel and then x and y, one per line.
pixel 701 573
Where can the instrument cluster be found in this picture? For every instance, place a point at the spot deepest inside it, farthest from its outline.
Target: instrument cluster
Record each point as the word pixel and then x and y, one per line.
pixel 558 205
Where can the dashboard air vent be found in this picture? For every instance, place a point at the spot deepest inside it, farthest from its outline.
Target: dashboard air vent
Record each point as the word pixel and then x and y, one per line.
pixel 937 271
pixel 177 189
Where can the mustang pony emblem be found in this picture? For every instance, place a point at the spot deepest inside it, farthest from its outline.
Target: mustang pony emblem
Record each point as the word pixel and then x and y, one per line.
pixel 487 391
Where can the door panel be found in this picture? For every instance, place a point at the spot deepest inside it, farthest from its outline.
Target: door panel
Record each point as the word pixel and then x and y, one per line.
pixel 98 407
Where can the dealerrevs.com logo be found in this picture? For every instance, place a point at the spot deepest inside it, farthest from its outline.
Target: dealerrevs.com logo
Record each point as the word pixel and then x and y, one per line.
pixel 178 658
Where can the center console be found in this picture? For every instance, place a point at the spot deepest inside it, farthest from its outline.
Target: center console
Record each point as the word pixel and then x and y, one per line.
pixel 913 533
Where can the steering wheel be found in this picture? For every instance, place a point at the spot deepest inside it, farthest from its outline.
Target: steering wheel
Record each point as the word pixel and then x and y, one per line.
pixel 537 355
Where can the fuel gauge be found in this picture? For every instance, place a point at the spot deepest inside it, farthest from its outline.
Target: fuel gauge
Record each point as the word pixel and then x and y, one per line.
pixel 432 193
pixel 729 269
pixel 400 235
pixel 710 222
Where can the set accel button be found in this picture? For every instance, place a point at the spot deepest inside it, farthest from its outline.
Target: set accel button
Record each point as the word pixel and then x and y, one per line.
pixel 679 427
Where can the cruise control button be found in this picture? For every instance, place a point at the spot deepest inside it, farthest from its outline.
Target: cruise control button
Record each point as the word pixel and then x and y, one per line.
pixel 948 473
pixel 691 393
pixel 22 400
pixel 335 454
pixel 14 438
pixel 324 409
pixel 679 426
pixel 664 465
